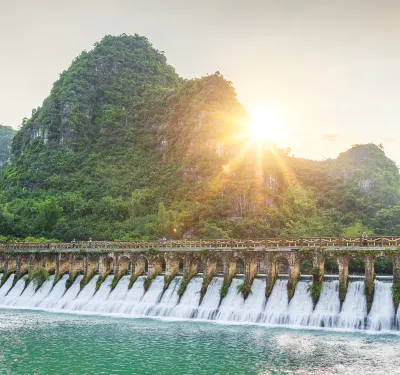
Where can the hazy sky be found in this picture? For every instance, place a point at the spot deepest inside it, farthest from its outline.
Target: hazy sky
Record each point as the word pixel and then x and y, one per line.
pixel 331 69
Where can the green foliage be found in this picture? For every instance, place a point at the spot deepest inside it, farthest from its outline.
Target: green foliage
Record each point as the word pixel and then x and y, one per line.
pixel 116 279
pixel 134 277
pixel 6 135
pixel 356 230
pixel 123 148
pixel 168 279
pixel 268 289
pixel 369 294
pixel 100 281
pixel 71 280
pixel 183 285
pixel 38 276
pixel 244 289
pixel 204 286
pixel 384 266
pixel 85 280
pixel 396 295
pixel 342 293
pixel 357 266
pixel 316 286
pixel 292 287
pixel 224 288
pixel 5 278
pixel 148 280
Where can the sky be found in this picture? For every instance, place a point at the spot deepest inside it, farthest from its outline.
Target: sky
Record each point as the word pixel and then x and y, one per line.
pixel 329 71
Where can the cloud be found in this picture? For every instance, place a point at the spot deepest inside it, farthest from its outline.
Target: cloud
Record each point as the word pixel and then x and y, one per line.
pixel 332 138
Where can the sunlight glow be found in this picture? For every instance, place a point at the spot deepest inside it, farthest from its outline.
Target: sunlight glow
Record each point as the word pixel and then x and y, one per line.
pixel 265 125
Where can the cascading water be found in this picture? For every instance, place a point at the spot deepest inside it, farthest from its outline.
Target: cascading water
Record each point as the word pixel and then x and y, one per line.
pixel 354 309
pixel 7 285
pixel 157 302
pixel 301 306
pixel 277 304
pixel 209 306
pixel 327 310
pixel 381 316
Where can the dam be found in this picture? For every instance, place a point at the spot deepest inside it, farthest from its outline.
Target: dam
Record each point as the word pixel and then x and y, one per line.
pixel 239 282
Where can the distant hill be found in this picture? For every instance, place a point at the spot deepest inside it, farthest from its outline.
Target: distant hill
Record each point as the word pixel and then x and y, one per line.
pixel 125 148
pixel 6 136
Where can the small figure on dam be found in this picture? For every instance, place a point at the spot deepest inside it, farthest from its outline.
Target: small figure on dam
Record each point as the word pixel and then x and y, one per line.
pixel 73 243
pixel 164 241
pixel 364 239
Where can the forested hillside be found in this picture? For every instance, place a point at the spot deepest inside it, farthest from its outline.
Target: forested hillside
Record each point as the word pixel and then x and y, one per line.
pixel 6 136
pixel 124 148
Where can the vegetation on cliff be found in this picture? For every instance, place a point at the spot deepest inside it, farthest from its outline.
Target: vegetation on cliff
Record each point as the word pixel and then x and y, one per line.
pixel 124 148
pixel 6 136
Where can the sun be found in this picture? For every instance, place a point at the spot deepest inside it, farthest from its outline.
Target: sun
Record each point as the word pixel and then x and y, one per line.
pixel 265 125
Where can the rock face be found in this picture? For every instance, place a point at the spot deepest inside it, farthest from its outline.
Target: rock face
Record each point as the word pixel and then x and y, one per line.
pixel 98 93
pixel 6 136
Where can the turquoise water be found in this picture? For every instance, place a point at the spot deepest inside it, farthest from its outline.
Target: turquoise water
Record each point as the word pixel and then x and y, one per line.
pixel 34 342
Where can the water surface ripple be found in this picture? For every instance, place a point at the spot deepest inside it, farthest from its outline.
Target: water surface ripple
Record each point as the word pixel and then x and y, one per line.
pixel 34 342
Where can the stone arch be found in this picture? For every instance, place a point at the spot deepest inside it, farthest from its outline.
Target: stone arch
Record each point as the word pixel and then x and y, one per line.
pixel 384 266
pixel 357 266
pixel 331 266
pixel 163 265
pixel 282 265
pixel 306 265
pixel 124 265
pixel 108 264
pixel 240 267
pixel 220 267
pixel 201 265
pixel 181 266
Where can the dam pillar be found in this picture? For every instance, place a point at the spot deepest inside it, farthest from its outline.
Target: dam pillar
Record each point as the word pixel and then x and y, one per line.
pixel 156 266
pixel 271 270
pixel 10 264
pixel 140 267
pixel 229 270
pixel 192 268
pixel 396 281
pixel 171 266
pixel 49 262
pixel 91 266
pixel 251 269
pixel 122 266
pixel 317 277
pixel 22 265
pixel 76 266
pixel 294 274
pixel 343 263
pixel 106 265
pixel 62 266
pixel 369 262
pixel 210 268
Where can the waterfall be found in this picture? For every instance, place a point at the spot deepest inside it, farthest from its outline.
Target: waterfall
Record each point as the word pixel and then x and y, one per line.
pixel 169 300
pixel 7 285
pixel 277 304
pixel 83 297
pixel 157 302
pixel 150 298
pixel 354 309
pixel 51 300
pixel 189 302
pixel 327 310
pixel 209 306
pixel 381 316
pixel 301 306
pixel 232 303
